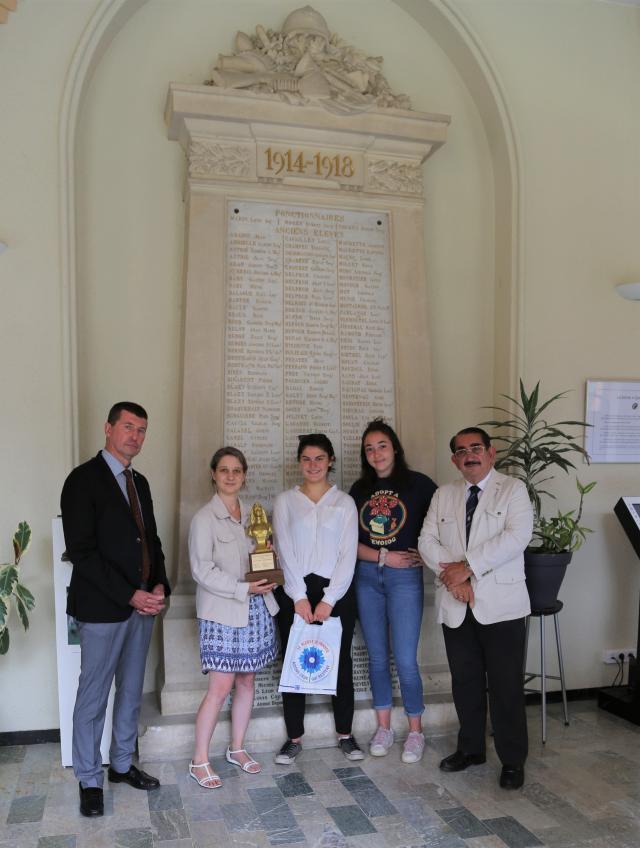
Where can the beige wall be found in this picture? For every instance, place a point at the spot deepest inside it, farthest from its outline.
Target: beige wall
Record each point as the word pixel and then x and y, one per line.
pixel 130 231
pixel 36 46
pixel 569 71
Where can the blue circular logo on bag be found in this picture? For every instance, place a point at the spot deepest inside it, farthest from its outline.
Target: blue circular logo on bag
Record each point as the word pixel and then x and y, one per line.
pixel 313 660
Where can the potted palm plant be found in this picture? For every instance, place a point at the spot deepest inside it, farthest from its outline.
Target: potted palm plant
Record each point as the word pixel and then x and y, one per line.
pixel 531 448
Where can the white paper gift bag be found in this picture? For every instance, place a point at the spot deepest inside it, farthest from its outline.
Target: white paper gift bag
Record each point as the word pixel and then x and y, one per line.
pixel 310 664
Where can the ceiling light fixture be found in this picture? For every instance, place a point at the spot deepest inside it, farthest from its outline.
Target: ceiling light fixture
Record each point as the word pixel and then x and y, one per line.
pixel 629 291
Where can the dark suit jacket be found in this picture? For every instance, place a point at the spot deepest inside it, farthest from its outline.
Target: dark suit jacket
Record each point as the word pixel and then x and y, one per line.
pixel 104 545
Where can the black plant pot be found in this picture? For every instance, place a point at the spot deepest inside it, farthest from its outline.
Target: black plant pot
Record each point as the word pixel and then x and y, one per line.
pixel 545 573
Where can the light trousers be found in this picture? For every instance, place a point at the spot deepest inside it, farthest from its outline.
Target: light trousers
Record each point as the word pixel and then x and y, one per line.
pixel 113 650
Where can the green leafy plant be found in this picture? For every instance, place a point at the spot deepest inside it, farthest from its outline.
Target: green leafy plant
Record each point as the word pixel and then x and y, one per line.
pixel 12 592
pixel 530 448
pixel 562 532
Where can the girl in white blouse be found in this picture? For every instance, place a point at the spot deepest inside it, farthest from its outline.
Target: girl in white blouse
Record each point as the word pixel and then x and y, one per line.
pixel 316 537
pixel 237 636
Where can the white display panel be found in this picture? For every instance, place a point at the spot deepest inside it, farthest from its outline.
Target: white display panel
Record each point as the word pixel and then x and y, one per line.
pixel 68 652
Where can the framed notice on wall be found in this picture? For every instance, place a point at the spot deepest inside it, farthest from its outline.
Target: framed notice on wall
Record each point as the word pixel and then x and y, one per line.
pixel 613 410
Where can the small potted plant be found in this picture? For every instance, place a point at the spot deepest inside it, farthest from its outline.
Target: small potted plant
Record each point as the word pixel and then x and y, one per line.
pixel 531 448
pixel 12 591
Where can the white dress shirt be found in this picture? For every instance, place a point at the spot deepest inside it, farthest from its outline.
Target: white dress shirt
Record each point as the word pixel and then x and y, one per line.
pixel 481 485
pixel 316 538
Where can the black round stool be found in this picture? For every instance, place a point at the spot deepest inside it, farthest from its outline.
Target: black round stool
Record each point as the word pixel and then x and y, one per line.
pixel 528 676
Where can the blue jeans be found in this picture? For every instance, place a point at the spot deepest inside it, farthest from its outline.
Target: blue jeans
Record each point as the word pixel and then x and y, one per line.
pixel 390 603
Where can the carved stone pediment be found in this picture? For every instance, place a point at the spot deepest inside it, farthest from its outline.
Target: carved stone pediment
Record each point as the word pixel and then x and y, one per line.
pixel 392 176
pixel 209 158
pixel 303 62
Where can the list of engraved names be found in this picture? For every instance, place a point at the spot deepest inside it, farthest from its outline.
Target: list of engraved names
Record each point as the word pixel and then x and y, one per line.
pixel 309 339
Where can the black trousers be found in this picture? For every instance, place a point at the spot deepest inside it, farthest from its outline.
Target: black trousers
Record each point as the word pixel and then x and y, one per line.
pixel 489 657
pixel 293 703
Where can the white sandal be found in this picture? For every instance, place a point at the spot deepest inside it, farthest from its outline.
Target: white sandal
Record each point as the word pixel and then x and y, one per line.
pixel 205 782
pixel 248 766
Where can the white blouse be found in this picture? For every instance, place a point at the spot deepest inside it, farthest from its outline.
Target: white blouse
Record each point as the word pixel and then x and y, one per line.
pixel 316 538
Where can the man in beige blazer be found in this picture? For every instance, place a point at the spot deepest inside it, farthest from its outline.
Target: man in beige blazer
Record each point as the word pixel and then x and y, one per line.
pixel 474 538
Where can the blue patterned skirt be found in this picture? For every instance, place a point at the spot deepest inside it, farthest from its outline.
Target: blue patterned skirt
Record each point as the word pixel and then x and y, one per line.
pixel 250 648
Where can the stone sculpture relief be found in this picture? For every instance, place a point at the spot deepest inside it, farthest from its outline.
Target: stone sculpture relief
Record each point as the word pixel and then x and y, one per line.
pixel 391 176
pixel 206 159
pixel 304 62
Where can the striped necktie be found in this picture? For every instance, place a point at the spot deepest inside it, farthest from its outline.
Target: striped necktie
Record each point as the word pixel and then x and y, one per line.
pixel 472 503
pixel 134 503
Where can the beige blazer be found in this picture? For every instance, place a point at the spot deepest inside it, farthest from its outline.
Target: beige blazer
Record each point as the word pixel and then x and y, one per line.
pixel 219 557
pixel 501 530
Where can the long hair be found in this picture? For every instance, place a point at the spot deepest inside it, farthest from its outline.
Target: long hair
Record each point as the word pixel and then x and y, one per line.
pixel 400 473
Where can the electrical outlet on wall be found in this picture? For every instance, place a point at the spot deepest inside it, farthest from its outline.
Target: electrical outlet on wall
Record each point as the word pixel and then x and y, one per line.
pixel 612 655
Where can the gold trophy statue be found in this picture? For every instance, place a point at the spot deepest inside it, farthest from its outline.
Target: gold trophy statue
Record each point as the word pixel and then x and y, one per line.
pixel 263 561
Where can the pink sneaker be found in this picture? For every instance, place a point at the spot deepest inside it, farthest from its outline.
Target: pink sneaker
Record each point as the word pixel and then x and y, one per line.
pixel 413 747
pixel 381 741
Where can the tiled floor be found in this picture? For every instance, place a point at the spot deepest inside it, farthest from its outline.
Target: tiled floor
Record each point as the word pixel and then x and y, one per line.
pixel 582 789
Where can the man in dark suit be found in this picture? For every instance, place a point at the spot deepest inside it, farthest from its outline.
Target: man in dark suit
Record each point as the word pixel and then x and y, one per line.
pixel 118 586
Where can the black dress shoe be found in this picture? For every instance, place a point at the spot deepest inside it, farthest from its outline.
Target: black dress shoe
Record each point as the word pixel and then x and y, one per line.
pixel 134 777
pixel 459 761
pixel 91 801
pixel 512 777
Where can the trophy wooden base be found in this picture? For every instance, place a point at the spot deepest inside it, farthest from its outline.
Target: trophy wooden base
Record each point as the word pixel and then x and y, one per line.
pixel 273 575
pixel 264 567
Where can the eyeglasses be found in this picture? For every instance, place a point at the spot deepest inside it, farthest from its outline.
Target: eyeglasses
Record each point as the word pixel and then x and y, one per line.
pixel 476 450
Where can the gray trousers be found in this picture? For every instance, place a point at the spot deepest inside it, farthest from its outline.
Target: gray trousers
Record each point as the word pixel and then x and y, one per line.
pixel 115 649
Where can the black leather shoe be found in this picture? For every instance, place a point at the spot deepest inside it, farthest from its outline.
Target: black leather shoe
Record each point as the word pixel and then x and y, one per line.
pixel 459 761
pixel 512 777
pixel 91 801
pixel 134 777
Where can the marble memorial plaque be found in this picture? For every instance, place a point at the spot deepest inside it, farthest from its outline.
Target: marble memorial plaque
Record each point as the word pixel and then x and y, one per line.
pixel 309 335
pixel 266 681
pixel 308 349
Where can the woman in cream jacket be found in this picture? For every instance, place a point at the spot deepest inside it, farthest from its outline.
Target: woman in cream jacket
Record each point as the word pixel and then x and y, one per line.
pixel 235 618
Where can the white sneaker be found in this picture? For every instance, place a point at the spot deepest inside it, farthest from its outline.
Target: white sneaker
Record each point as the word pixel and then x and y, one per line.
pixel 413 747
pixel 381 741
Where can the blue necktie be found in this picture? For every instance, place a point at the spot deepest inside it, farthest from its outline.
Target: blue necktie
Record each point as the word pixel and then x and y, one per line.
pixel 472 503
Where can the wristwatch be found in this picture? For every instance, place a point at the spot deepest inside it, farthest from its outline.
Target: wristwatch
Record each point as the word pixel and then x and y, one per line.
pixel 382 556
